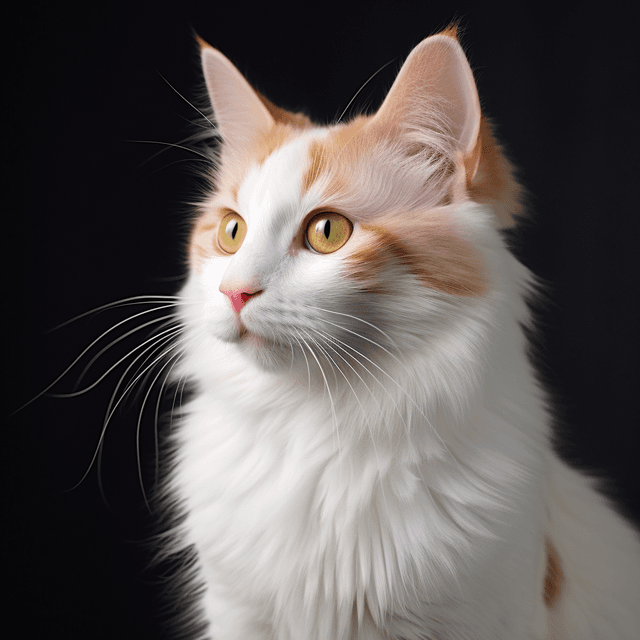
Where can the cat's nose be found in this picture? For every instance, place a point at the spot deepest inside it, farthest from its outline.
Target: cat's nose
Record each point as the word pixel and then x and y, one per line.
pixel 239 295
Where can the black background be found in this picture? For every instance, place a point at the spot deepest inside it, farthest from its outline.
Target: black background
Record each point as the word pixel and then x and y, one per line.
pixel 93 217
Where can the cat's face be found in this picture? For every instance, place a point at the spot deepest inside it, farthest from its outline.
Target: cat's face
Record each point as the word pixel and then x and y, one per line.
pixel 327 247
pixel 335 245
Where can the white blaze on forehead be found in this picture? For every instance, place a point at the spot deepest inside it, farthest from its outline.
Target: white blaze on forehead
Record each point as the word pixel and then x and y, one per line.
pixel 271 192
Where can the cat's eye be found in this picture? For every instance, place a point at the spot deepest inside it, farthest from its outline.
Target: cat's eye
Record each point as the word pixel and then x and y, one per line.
pixel 231 232
pixel 327 232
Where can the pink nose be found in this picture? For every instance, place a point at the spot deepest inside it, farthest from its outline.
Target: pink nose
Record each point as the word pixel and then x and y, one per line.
pixel 238 298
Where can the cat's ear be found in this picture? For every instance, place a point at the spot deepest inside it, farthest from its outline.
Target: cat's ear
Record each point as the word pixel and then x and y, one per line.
pixel 436 80
pixel 240 114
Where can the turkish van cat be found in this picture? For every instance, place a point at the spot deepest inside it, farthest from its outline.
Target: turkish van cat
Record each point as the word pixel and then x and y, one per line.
pixel 367 454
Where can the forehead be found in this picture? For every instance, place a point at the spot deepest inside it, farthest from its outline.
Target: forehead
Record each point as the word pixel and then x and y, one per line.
pixel 273 189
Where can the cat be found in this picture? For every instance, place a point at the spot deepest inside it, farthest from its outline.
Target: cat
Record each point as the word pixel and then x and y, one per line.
pixel 367 454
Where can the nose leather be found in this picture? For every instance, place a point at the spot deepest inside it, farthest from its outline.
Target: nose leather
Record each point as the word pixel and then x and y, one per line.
pixel 238 297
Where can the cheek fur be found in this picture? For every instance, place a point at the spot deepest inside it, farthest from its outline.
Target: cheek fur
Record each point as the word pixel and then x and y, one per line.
pixel 433 252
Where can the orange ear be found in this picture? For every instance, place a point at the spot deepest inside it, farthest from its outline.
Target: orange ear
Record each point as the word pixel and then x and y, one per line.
pixel 240 114
pixel 436 79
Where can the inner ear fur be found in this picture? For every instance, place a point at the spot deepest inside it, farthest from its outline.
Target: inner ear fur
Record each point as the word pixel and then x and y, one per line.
pixel 435 89
pixel 240 113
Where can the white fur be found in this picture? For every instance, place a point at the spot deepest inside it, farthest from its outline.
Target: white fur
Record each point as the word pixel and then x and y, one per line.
pixel 369 467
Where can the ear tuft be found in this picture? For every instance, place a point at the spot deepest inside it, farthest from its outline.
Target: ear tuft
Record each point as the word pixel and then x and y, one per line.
pixel 451 31
pixel 202 43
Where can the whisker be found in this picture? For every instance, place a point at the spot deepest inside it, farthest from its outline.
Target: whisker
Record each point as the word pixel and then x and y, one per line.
pixel 176 146
pixel 181 381
pixel 151 350
pixel 384 66
pixel 324 377
pixel 364 413
pixel 403 390
pixel 170 320
pixel 125 302
pixel 173 358
pixel 74 394
pixel 213 126
pixel 166 166
pixel 329 338
pixel 363 337
pixel 369 324
pixel 307 361
pixel 112 407
pixel 64 373
pixel 176 359
pixel 340 342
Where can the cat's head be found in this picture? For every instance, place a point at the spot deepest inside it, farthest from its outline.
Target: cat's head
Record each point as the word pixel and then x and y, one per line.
pixel 350 243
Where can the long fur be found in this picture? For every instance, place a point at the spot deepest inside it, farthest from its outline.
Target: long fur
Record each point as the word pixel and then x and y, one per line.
pixel 369 455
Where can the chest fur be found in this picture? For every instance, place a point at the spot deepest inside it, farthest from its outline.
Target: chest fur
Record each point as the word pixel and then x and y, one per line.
pixel 286 514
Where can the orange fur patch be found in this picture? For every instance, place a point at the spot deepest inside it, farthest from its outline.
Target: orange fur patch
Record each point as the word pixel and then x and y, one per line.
pixel 335 155
pixel 275 138
pixel 283 116
pixel 554 576
pixel 315 166
pixel 287 126
pixel 494 182
pixel 438 257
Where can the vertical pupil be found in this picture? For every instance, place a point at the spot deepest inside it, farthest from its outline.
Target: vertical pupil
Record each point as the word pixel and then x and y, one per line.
pixel 327 229
pixel 232 229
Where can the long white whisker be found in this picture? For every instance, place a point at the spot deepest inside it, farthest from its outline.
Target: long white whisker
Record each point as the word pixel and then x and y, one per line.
pixel 64 373
pixel 151 350
pixel 125 302
pixel 112 407
pixel 181 381
pixel 170 164
pixel 364 413
pixel 213 126
pixel 369 324
pixel 326 383
pixel 330 338
pixel 175 145
pixel 307 361
pixel 138 427
pixel 184 384
pixel 384 66
pixel 176 359
pixel 340 342
pixel 403 390
pixel 102 351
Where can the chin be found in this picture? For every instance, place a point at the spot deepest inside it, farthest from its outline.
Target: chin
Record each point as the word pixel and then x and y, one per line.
pixel 265 354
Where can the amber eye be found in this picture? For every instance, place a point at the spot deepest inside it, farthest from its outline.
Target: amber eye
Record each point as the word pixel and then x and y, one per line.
pixel 327 232
pixel 231 232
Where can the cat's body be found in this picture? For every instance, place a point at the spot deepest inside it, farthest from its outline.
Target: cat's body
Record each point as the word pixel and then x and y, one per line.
pixel 367 455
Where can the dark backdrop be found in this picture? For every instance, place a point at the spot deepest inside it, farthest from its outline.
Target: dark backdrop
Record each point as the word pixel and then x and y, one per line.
pixel 94 217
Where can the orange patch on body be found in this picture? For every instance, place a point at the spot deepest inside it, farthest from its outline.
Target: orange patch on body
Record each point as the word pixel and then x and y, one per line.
pixel 554 576
pixel 494 182
pixel 438 257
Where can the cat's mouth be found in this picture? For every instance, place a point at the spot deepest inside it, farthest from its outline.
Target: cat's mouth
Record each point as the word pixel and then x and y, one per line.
pixel 248 337
pixel 243 332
